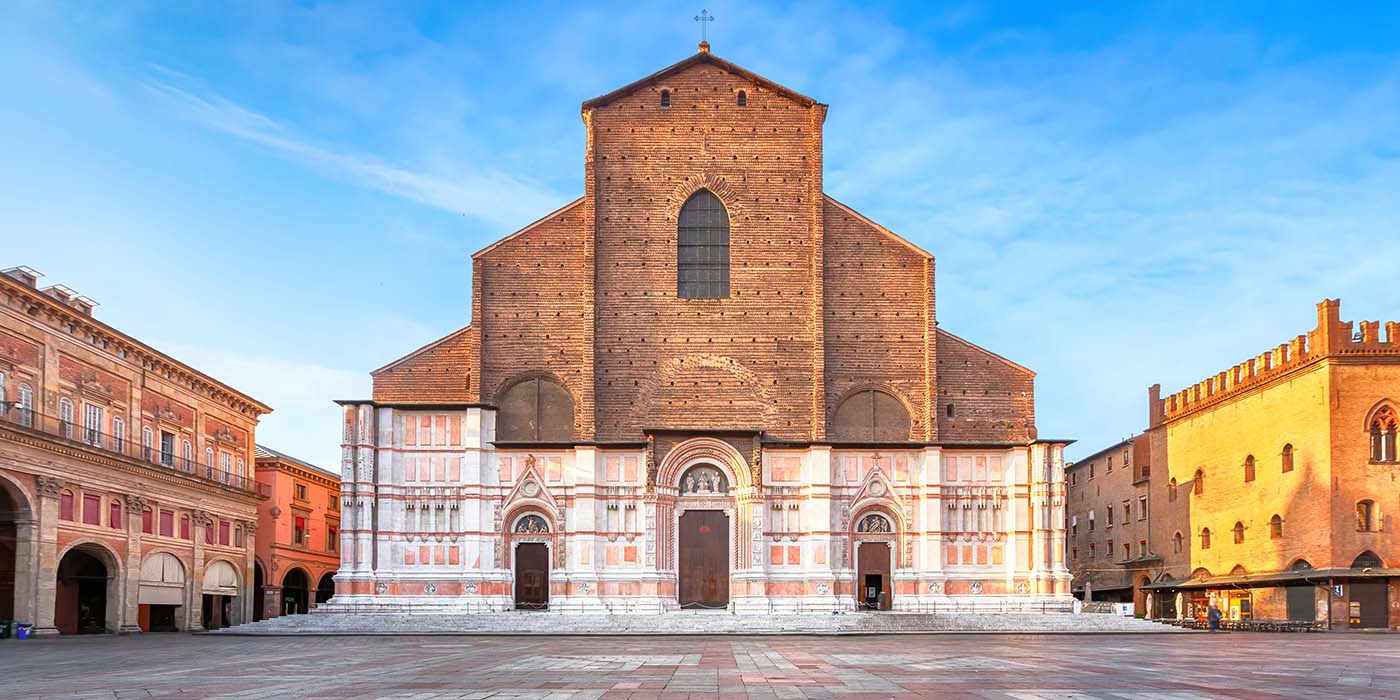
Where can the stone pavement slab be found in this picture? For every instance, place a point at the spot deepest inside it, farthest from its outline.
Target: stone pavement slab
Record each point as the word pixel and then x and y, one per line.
pixel 948 667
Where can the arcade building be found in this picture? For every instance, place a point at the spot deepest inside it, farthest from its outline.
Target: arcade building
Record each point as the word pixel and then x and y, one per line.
pixel 706 383
pixel 127 499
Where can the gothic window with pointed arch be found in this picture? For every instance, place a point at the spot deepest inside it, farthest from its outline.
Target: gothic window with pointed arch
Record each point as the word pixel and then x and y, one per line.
pixel 1383 428
pixel 1286 458
pixel 702 248
pixel 531 525
pixel 874 522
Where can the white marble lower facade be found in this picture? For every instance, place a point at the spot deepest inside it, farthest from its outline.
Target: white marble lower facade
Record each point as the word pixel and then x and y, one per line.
pixel 437 518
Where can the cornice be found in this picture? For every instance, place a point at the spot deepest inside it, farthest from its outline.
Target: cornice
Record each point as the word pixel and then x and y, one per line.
pixel 140 354
pixel 280 465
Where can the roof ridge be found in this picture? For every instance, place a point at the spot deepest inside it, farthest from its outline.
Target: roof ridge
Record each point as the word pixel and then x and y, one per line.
pixel 881 227
pixel 422 350
pixel 967 342
pixel 695 59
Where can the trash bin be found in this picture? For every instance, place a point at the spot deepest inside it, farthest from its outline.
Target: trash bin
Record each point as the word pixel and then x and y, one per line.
pixel 22 630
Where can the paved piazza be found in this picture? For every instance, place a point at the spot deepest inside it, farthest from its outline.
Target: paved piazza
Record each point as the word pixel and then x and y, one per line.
pixel 982 667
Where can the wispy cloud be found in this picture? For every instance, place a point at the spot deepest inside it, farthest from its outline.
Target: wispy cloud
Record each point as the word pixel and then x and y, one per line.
pixel 1115 198
pixel 304 421
pixel 487 194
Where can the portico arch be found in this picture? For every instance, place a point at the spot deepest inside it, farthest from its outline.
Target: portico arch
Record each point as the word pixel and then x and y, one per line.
pixel 18 552
pixel 161 591
pixel 88 597
pixel 220 594
pixel 295 586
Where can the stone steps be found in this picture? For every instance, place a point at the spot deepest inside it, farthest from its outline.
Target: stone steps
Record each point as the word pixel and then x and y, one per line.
pixel 689 622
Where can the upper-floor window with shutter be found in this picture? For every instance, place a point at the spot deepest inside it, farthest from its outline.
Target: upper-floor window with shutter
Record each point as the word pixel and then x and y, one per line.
pixel 702 248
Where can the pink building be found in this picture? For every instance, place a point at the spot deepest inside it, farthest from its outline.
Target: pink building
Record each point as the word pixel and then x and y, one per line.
pixel 298 535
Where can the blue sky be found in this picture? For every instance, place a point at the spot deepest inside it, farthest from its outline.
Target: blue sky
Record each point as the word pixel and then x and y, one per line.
pixel 287 195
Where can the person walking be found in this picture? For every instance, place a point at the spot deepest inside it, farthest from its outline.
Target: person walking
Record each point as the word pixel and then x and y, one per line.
pixel 1213 618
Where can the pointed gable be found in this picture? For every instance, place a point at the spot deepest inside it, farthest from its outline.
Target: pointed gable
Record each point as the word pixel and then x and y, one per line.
pixel 439 372
pixel 704 57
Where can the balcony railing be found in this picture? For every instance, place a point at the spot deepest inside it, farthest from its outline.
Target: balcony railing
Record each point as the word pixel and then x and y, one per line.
pixel 122 445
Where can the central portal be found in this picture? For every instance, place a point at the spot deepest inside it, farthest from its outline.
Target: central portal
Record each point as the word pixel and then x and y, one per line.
pixel 703 566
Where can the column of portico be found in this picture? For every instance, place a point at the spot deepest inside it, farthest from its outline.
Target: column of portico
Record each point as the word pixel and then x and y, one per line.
pixel 130 618
pixel 26 567
pixel 46 571
pixel 250 594
pixel 194 608
pixel 272 582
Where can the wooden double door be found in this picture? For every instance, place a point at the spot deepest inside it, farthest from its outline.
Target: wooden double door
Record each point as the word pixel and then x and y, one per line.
pixel 703 560
pixel 531 576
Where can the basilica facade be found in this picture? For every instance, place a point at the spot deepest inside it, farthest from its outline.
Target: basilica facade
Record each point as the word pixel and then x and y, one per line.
pixel 703 384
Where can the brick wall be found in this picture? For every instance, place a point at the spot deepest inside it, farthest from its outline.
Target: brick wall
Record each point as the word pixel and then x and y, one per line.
pixel 534 306
pixel 440 371
pixel 876 288
pixel 993 399
pixel 822 301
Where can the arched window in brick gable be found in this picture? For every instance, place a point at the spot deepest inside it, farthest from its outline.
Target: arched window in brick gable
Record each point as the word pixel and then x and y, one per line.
pixel 702 248
pixel 743 98
pixel 665 98
pixel 870 415
pixel 537 409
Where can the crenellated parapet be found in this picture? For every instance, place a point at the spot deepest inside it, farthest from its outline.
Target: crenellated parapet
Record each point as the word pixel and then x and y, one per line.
pixel 1331 338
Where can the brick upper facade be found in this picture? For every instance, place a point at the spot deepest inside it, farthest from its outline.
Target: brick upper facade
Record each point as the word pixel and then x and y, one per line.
pixel 822 303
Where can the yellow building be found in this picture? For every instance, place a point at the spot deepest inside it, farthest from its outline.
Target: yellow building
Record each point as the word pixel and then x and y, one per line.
pixel 1274 483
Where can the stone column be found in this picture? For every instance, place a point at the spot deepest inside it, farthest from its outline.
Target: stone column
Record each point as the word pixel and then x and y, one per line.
pixel 130 619
pixel 26 568
pixel 250 592
pixel 194 611
pixel 46 570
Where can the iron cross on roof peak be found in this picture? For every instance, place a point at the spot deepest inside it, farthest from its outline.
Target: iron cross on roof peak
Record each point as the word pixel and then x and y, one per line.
pixel 704 18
